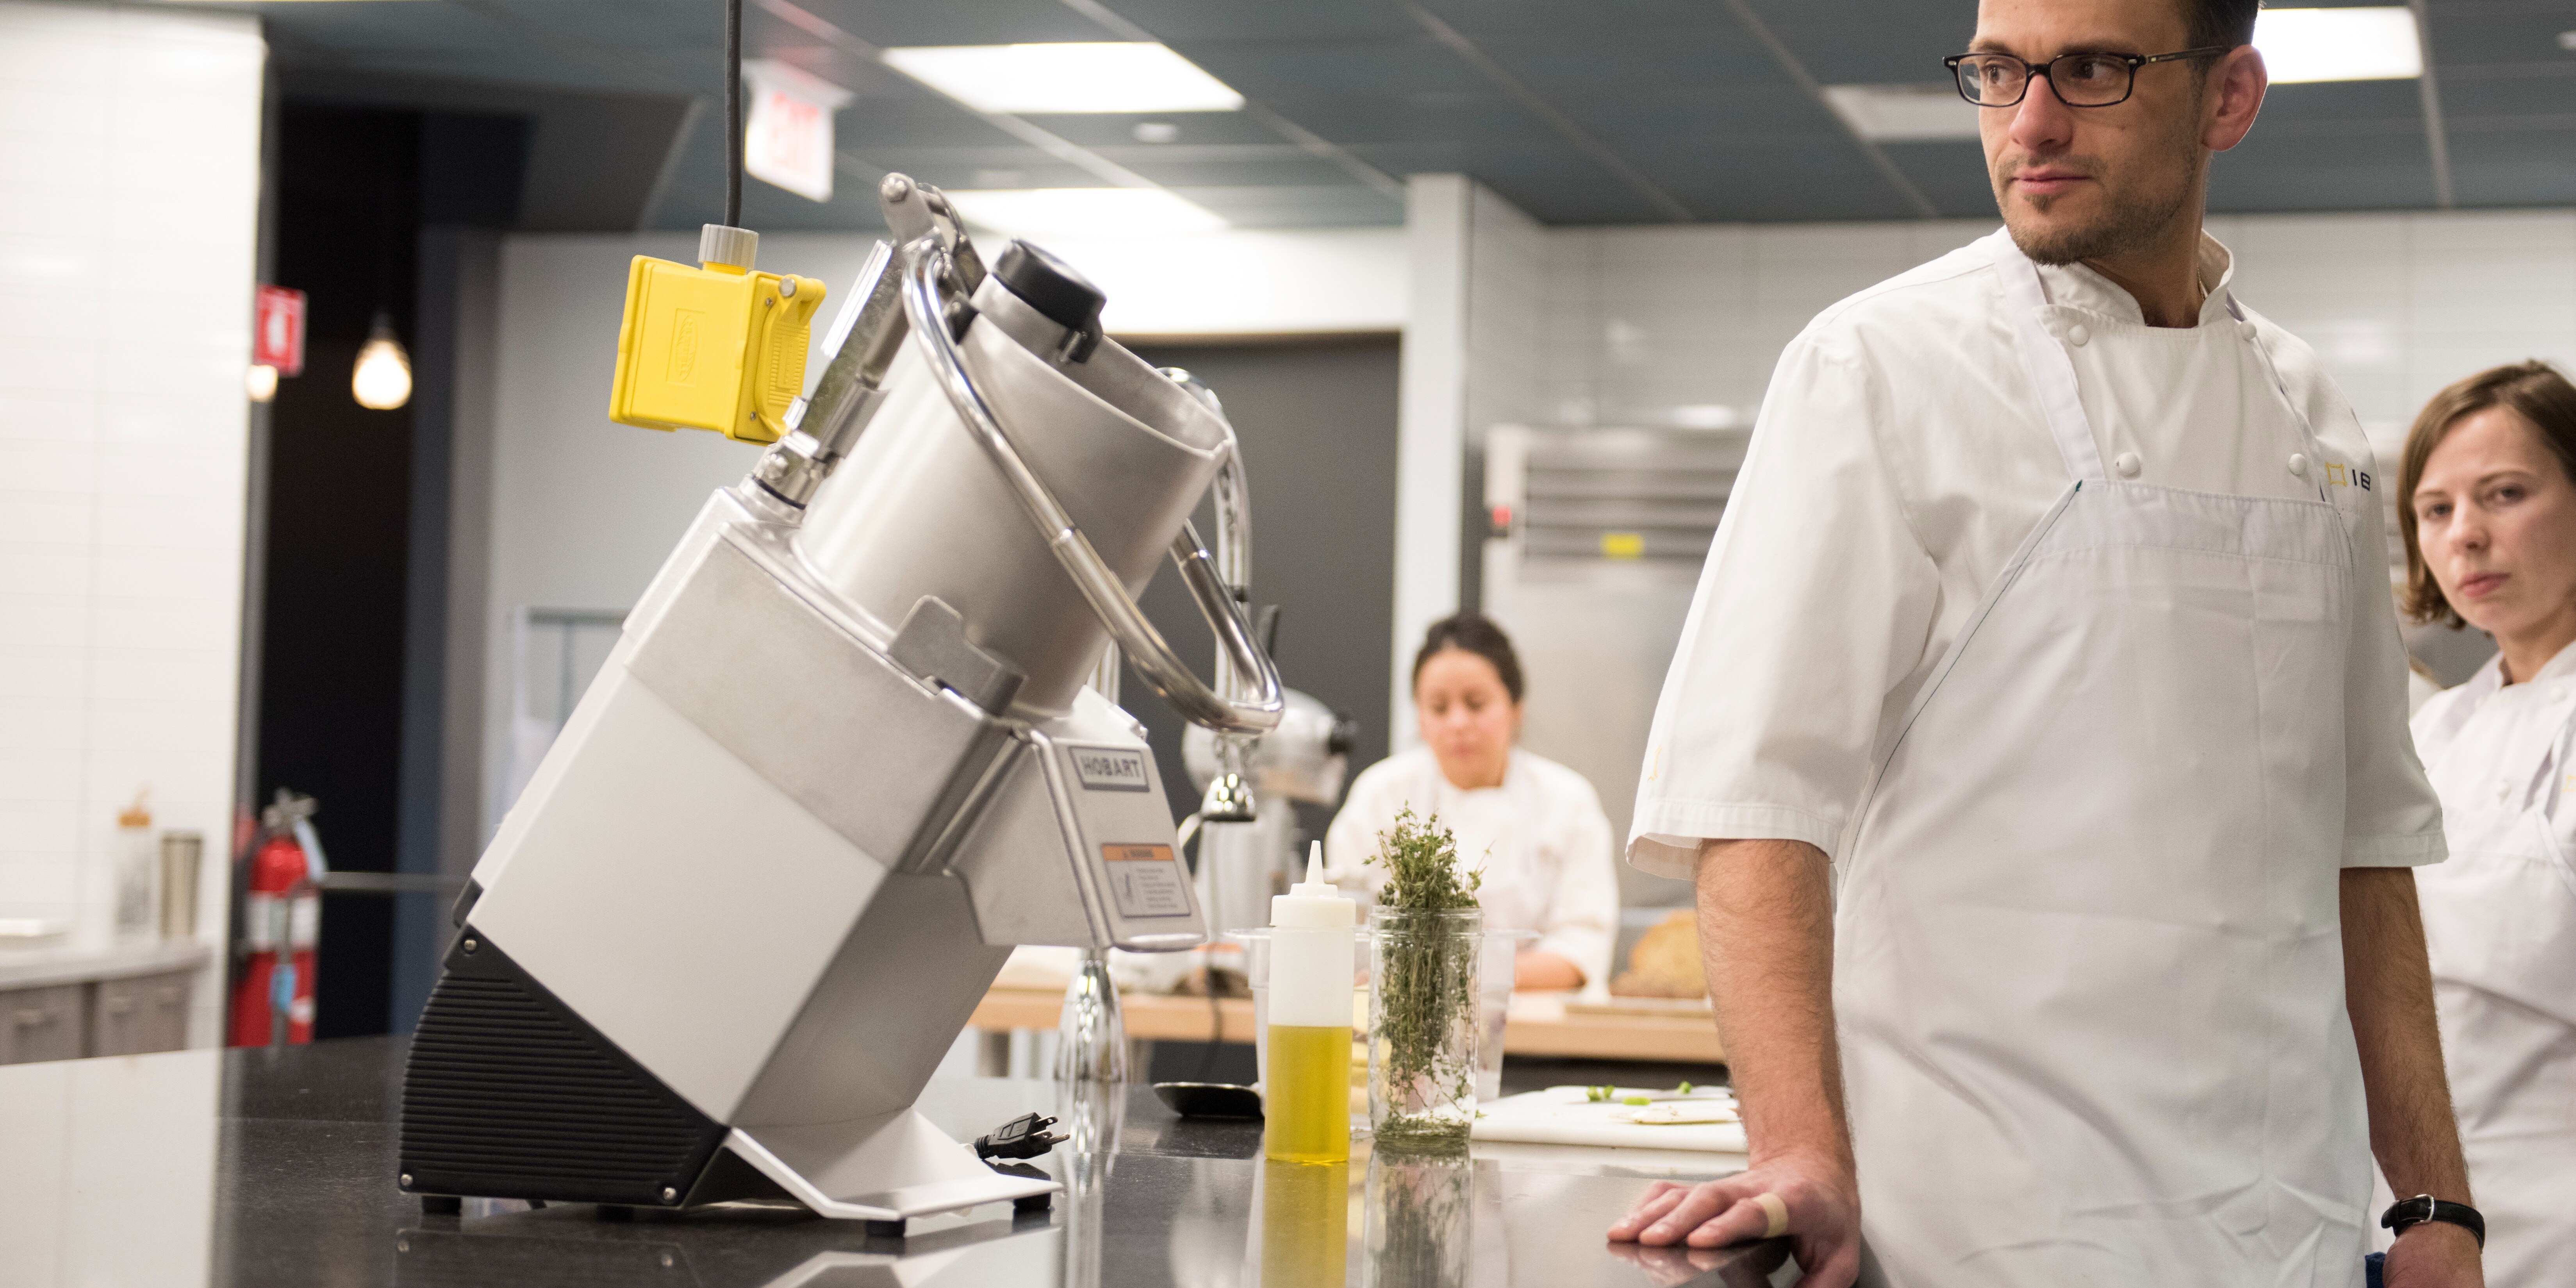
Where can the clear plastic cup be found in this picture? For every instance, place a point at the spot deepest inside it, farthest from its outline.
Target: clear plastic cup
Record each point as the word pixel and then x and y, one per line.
pixel 1493 1007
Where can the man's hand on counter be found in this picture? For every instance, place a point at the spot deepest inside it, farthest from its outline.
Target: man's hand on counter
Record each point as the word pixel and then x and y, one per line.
pixel 1766 929
pixel 1823 1215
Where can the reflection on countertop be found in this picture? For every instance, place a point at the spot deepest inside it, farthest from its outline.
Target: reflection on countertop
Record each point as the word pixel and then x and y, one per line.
pixel 274 1167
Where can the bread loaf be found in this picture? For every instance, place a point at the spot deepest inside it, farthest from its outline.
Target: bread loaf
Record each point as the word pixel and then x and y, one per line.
pixel 1665 962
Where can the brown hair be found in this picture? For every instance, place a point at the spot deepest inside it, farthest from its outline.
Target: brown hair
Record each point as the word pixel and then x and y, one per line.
pixel 2532 390
pixel 1474 633
pixel 2218 22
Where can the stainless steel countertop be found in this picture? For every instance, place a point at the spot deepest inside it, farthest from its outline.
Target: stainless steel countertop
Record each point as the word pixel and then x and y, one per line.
pixel 275 1167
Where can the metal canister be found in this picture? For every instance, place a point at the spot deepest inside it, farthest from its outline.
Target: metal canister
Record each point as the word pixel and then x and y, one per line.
pixel 181 854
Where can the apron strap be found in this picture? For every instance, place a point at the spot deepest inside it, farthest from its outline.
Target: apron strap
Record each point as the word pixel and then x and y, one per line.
pixel 2052 375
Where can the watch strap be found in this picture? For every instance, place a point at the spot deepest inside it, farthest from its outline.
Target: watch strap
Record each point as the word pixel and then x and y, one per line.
pixel 2407 1213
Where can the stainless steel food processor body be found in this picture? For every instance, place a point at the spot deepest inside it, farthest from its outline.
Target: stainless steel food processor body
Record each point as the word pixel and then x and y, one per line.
pixel 840 762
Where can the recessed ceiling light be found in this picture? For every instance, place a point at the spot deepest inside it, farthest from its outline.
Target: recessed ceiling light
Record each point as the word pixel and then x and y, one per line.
pixel 1123 76
pixel 2567 40
pixel 2305 45
pixel 1084 212
pixel 1904 113
pixel 1157 132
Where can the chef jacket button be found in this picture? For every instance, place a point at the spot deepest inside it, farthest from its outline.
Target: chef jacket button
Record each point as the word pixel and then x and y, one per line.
pixel 2558 693
pixel 2299 464
pixel 2077 334
pixel 2249 330
pixel 2503 790
pixel 2128 464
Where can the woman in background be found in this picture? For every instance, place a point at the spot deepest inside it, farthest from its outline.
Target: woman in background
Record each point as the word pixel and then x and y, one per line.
pixel 2489 487
pixel 1534 826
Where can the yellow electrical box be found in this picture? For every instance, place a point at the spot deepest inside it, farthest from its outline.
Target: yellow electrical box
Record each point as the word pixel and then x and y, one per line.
pixel 713 347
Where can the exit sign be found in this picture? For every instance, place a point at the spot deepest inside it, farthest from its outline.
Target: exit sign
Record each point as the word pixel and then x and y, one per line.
pixel 277 330
pixel 788 140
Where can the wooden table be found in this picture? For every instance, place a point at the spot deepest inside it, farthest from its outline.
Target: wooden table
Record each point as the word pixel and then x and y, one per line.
pixel 1539 1025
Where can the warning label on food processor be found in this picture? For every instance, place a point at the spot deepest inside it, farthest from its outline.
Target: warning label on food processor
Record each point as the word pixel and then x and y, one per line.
pixel 1145 881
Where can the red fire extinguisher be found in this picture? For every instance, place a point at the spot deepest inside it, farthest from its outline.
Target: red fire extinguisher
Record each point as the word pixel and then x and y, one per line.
pixel 281 925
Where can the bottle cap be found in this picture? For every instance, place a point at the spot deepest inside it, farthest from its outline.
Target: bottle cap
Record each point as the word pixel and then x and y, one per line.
pixel 1313 903
pixel 137 814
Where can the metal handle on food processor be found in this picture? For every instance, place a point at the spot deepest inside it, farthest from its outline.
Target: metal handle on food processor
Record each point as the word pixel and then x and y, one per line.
pixel 1117 610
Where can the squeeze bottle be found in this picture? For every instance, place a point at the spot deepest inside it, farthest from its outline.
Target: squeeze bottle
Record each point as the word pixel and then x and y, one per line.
pixel 1306 1104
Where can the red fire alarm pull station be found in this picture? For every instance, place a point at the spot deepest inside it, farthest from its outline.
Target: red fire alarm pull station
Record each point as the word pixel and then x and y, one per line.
pixel 277 331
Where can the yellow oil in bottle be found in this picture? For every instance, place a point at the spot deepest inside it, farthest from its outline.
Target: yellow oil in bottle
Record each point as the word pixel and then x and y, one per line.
pixel 1306 1102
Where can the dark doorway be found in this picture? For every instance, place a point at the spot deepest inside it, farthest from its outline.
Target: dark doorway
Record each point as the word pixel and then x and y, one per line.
pixel 1317 422
pixel 339 514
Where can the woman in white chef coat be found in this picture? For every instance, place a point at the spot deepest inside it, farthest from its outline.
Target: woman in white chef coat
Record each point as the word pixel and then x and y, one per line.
pixel 1535 826
pixel 2490 524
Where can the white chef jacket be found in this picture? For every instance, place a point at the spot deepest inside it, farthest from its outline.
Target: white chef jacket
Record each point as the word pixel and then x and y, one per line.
pixel 2492 754
pixel 1900 458
pixel 2500 930
pixel 1541 838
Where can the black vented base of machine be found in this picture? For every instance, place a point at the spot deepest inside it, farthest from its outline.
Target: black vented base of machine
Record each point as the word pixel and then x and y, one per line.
pixel 509 1094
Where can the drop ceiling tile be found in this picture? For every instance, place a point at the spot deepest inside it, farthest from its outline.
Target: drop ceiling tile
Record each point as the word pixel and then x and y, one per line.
pixel 1118 129
pixel 1871 42
pixel 2361 169
pixel 921 122
pixel 1186 24
pixel 2513 167
pixel 982 22
pixel 1305 70
pixel 1480 20
pixel 1653 64
pixel 2554 95
pixel 2340 101
pixel 1294 170
pixel 1321 206
pixel 2515 31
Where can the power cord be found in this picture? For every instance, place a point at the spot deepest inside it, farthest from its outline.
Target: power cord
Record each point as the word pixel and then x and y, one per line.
pixel 1023 1137
pixel 733 114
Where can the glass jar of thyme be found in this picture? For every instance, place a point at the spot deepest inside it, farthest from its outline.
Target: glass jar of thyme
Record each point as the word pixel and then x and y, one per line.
pixel 1423 1030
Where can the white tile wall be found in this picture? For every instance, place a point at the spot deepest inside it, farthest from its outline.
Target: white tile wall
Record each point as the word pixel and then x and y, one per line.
pixel 129 173
pixel 1656 326
pixel 1506 283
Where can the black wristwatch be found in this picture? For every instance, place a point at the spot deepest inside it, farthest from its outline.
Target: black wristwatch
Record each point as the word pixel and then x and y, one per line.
pixel 2405 1213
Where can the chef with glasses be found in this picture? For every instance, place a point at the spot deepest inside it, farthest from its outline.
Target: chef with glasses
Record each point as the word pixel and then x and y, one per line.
pixel 2037 742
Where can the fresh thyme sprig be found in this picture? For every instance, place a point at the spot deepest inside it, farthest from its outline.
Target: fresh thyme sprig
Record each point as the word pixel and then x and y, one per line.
pixel 1421 862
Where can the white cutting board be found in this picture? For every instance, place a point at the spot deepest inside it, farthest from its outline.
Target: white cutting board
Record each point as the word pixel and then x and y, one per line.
pixel 1563 1116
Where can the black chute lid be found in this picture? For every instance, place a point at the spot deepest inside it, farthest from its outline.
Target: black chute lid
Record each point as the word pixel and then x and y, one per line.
pixel 1054 288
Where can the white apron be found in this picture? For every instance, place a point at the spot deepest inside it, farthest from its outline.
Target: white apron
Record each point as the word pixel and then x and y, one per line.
pixel 2500 921
pixel 2087 963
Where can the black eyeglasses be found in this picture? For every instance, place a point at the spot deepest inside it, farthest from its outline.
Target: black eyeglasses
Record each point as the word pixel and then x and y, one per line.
pixel 2079 80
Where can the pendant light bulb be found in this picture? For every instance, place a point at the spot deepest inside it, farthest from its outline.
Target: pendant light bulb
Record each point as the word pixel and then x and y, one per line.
pixel 382 380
